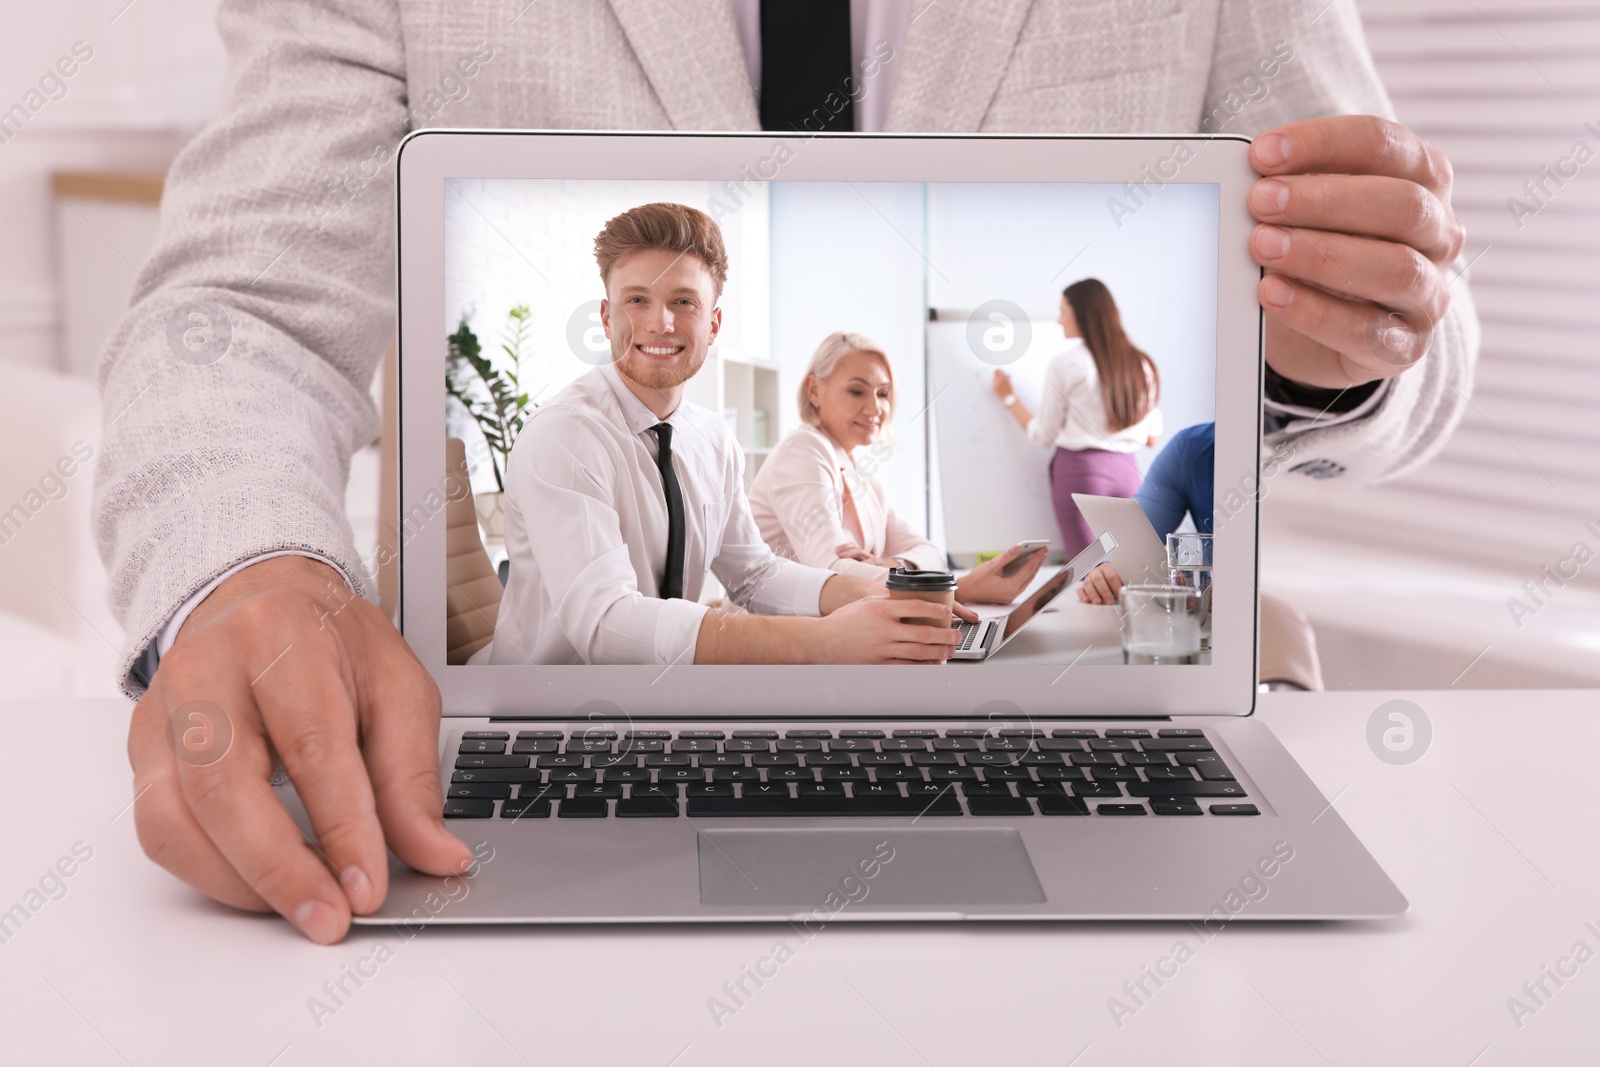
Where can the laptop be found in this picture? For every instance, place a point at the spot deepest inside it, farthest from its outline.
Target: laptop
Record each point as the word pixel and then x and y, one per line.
pixel 1139 555
pixel 982 639
pixel 669 790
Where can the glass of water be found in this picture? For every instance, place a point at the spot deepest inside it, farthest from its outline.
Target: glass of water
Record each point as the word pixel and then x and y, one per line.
pixel 1160 624
pixel 1189 561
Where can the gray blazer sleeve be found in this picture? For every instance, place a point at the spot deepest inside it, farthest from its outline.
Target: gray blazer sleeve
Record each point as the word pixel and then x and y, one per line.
pixel 1331 73
pixel 235 387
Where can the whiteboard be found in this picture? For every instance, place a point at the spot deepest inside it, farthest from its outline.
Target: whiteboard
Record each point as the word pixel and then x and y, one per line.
pixel 993 484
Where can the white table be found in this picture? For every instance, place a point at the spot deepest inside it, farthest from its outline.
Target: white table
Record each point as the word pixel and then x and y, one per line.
pixel 1492 835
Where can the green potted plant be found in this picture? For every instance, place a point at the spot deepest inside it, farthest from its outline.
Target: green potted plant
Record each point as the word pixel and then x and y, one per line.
pixel 495 399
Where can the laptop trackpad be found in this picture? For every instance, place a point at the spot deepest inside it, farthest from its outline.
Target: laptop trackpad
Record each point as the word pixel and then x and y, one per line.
pixel 837 869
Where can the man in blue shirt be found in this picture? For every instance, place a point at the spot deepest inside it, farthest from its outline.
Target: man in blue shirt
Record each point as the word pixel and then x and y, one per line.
pixel 1180 482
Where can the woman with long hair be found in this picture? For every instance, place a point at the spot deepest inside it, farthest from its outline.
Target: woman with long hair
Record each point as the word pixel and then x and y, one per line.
pixel 818 499
pixel 1099 406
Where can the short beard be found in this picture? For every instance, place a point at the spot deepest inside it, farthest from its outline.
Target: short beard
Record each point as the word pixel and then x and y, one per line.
pixel 634 367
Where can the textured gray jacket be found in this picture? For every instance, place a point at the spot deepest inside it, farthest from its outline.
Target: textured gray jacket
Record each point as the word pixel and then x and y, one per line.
pixel 280 214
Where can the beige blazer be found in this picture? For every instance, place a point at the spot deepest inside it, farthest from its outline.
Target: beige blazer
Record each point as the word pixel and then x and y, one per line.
pixel 810 497
pixel 280 213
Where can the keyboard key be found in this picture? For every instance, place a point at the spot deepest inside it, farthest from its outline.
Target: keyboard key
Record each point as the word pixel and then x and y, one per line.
pixel 709 789
pixel 1020 733
pixel 1114 774
pixel 1006 774
pixel 794 744
pixel 791 774
pixel 674 760
pixel 775 759
pixel 998 806
pixel 587 747
pixel 486 746
pixel 701 735
pixel 782 807
pixel 1214 771
pixel 861 733
pixel 739 744
pixel 740 774
pixel 540 735
pixel 1038 789
pixel 641 790
pixel 1120 809
pixel 646 808
pixel 1042 759
pixel 1061 774
pixel 680 774
pixel 1169 774
pixel 846 774
pixel 759 735
pixel 1234 809
pixel 1128 733
pixel 1112 744
pixel 967 733
pixel 694 745
pixel 1063 744
pixel 952 774
pixel 814 734
pixel 468 809
pixel 1176 744
pixel 522 747
pixel 497 774
pixel 605 790
pixel 1185 806
pixel 1180 733
pixel 1062 806
pixel 1146 759
pixel 985 789
pixel 896 774
pixel 486 735
pixel 1092 759
pixel 549 762
pixel 1185 789
pixel 927 735
pixel 571 774
pixel 883 759
pixel 640 747
pixel 582 809
pixel 1194 759
pixel 853 744
pixel 721 759
pixel 525 809
pixel 1074 733
pixel 904 744
pixel 955 744
pixel 1096 789
pixel 649 735
pixel 935 759
pixel 819 789
pixel 466 762
pixel 627 774
pixel 480 791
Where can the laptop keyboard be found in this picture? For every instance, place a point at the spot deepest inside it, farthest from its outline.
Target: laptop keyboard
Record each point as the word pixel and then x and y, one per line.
pixel 597 774
pixel 969 634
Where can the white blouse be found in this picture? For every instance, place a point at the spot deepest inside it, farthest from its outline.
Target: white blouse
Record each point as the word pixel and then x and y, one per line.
pixel 809 497
pixel 1072 414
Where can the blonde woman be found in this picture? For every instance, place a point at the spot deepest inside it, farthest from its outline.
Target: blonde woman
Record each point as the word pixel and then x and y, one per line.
pixel 817 498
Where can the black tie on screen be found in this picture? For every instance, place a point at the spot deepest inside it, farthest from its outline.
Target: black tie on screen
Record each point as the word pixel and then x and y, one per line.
pixel 672 576
pixel 805 66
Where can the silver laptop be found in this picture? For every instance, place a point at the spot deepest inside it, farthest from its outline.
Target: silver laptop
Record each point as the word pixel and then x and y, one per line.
pixel 1039 787
pixel 982 639
pixel 1138 555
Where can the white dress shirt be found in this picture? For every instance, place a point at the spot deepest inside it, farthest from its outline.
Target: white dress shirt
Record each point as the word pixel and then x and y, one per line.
pixel 1072 414
pixel 810 497
pixel 586 533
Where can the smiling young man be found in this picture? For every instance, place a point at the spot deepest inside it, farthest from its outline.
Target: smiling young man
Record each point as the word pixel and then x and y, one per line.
pixel 621 496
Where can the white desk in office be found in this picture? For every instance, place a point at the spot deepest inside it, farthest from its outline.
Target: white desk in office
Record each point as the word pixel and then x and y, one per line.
pixel 1492 835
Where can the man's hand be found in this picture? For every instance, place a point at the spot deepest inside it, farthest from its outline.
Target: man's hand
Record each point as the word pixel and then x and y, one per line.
pixel 1357 237
pixel 1101 585
pixel 283 660
pixel 885 631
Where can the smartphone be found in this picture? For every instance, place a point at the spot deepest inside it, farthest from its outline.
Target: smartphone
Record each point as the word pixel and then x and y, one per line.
pixel 1026 550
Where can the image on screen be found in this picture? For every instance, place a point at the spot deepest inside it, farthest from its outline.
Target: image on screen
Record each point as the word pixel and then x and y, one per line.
pixel 707 422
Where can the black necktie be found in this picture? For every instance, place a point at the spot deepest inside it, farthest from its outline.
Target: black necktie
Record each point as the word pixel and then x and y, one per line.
pixel 672 576
pixel 805 66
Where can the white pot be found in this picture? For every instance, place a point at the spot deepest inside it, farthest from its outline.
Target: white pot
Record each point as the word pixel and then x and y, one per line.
pixel 491 516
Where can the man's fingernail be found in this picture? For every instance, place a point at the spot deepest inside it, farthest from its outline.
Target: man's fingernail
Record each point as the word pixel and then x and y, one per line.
pixel 1272 243
pixel 1274 195
pixel 1397 339
pixel 1273 149
pixel 318 921
pixel 1276 291
pixel 357 886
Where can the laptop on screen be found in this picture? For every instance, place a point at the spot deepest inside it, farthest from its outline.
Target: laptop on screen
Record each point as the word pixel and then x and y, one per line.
pixel 693 697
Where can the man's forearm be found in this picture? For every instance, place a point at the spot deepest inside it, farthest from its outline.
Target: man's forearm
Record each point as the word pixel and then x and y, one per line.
pixel 842 589
pixel 729 638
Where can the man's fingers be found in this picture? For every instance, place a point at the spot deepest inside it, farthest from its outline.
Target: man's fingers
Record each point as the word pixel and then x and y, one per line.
pixel 1368 342
pixel 1351 144
pixel 1392 209
pixel 168 831
pixel 312 723
pixel 233 803
pixel 1392 276
pixel 402 753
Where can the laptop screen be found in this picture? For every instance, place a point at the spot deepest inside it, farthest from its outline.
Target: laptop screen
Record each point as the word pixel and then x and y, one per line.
pixel 856 376
pixel 687 435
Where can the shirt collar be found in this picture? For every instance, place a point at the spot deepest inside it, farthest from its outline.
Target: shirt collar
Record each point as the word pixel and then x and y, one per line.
pixel 634 413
